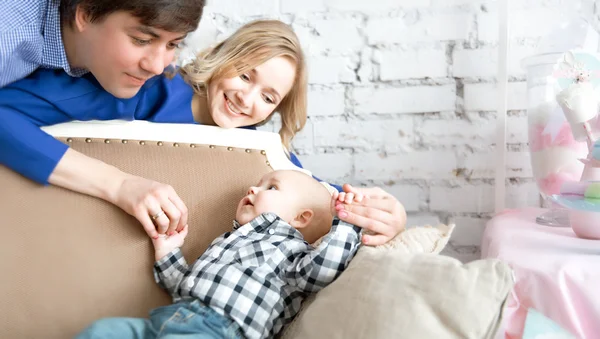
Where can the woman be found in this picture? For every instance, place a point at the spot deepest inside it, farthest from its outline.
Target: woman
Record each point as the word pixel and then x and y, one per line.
pixel 260 69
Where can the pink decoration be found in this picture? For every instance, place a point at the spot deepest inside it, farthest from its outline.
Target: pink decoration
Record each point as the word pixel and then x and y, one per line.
pixel 551 183
pixel 538 140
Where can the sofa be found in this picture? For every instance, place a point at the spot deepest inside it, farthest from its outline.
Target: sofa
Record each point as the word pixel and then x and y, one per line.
pixel 70 259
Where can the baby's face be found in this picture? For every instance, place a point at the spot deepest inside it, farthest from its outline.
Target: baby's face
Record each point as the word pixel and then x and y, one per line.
pixel 278 192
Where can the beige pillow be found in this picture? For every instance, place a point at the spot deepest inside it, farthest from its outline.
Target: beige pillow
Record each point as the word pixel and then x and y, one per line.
pixel 390 294
pixel 423 239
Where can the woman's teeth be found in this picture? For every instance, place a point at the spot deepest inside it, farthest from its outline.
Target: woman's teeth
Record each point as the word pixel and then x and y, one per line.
pixel 230 105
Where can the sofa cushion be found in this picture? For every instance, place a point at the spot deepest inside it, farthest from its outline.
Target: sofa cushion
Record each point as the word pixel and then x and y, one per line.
pixel 391 294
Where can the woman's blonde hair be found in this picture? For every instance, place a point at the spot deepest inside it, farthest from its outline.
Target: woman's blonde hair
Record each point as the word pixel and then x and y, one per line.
pixel 250 46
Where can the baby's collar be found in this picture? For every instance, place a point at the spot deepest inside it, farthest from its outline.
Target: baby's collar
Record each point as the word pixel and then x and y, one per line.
pixel 267 216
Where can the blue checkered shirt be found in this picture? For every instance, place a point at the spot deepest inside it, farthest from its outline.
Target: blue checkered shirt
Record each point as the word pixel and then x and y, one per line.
pixel 30 37
pixel 259 273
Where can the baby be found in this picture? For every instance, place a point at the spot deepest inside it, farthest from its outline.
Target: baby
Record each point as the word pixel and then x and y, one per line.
pixel 250 281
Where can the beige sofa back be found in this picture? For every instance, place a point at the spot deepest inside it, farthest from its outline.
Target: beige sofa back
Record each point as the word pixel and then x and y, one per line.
pixel 68 259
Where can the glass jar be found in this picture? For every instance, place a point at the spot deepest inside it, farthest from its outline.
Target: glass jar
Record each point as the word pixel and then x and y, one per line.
pixel 555 147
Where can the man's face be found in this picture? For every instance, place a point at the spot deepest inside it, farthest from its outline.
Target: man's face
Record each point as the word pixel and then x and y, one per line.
pixel 122 54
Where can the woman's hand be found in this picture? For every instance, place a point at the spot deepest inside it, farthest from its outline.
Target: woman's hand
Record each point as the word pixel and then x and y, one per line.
pixel 374 210
pixel 155 205
pixel 164 244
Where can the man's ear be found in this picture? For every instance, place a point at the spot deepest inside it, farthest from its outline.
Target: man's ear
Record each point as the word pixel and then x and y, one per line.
pixel 82 19
pixel 303 219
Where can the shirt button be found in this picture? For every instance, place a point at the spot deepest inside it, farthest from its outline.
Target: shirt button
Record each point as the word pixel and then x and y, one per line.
pixel 215 254
pixel 244 231
pixel 271 231
pixel 190 283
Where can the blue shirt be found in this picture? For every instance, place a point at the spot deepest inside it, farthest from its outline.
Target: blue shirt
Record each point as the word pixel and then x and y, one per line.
pixel 49 97
pixel 30 37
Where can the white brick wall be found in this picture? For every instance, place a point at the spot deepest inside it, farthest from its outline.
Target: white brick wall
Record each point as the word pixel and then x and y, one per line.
pixel 421 63
pixel 402 96
pixel 376 99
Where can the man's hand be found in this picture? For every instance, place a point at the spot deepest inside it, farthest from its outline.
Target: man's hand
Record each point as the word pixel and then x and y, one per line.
pixel 157 206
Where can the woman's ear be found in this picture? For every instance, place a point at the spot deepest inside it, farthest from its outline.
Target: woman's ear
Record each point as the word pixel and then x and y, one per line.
pixel 303 219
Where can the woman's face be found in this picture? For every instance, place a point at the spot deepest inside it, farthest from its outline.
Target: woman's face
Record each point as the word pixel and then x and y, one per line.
pixel 250 98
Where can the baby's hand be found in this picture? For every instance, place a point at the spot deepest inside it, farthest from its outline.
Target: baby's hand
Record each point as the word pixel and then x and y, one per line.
pixel 338 199
pixel 165 244
pixel 350 197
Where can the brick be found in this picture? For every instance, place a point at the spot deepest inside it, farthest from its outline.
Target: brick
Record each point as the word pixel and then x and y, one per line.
pixel 415 165
pixel 335 168
pixel 338 35
pixel 483 62
pixel 385 31
pixel 198 40
pixel 306 6
pixel 518 165
pixel 484 97
pixel 429 28
pixel 457 132
pixel 421 219
pixel 526 4
pixel 365 71
pixel 450 3
pixel 468 231
pixel 476 132
pixel 326 102
pixel 531 23
pixel 517 130
pixel 522 195
pixel 483 165
pixel 415 99
pixel 307 38
pixel 413 64
pixel 236 8
pixel 375 5
pixel 412 197
pixel 330 70
pixel 465 199
pixel 377 134
pixel 304 140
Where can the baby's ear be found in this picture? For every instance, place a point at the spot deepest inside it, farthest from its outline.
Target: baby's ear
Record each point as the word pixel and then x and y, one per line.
pixel 303 219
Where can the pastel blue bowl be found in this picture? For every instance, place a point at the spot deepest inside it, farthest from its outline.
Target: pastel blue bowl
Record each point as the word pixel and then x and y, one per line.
pixel 584 214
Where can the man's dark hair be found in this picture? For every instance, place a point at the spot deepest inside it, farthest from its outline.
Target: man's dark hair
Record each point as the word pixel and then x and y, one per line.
pixel 169 15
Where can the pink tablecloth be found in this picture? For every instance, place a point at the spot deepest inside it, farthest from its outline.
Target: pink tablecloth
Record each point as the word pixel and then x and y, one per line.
pixel 557 273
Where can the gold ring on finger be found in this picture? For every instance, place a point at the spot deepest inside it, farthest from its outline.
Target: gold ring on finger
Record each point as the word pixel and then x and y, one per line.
pixel 157 215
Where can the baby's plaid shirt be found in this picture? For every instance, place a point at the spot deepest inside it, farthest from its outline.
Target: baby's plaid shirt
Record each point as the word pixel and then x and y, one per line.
pixel 259 273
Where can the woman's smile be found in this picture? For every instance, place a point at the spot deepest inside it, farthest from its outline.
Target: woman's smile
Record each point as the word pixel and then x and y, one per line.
pixel 230 106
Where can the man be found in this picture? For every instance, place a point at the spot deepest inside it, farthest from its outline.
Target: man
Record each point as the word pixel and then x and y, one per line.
pixel 122 43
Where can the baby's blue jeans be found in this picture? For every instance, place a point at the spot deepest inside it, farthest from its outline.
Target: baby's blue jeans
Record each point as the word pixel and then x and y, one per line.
pixel 176 321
